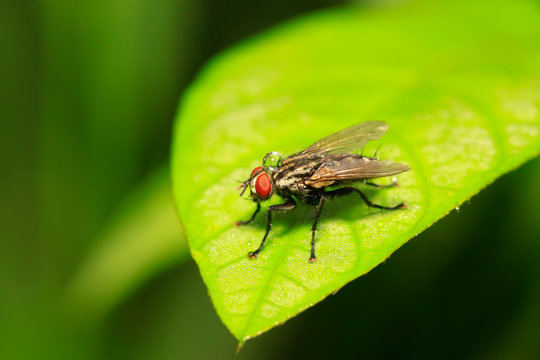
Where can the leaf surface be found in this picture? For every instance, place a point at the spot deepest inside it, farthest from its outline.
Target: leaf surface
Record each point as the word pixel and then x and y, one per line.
pixel 457 82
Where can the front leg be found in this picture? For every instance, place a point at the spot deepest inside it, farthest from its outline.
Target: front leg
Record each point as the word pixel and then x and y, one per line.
pixel 241 222
pixel 287 206
pixel 312 258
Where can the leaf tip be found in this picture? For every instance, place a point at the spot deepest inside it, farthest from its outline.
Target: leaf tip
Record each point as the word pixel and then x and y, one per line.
pixel 240 345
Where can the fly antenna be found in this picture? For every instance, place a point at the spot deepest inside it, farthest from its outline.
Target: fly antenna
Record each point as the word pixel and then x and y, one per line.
pixel 242 187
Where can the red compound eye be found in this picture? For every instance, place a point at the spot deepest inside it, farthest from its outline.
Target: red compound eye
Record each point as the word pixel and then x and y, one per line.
pixel 256 170
pixel 263 186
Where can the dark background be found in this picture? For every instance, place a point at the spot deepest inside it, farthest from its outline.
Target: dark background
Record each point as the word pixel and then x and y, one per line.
pixel 89 93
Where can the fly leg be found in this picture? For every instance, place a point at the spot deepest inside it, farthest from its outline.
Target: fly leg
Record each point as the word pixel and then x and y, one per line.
pixel 348 190
pixel 287 206
pixel 312 258
pixel 393 184
pixel 241 222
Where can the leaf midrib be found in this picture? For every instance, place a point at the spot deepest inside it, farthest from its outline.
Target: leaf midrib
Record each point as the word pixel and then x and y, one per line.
pixel 266 286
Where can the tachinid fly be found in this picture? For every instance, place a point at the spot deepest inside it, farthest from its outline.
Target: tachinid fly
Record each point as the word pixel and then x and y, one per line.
pixel 307 174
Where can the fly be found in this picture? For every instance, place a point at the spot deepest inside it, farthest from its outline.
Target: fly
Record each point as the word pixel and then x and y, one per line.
pixel 307 174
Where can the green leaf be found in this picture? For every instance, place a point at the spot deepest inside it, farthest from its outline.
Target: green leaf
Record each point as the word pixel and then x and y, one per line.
pixel 459 84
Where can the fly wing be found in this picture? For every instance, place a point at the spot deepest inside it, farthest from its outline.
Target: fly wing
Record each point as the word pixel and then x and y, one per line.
pixel 353 168
pixel 349 139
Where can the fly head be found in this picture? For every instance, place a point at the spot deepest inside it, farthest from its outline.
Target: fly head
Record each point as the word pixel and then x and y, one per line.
pixel 259 183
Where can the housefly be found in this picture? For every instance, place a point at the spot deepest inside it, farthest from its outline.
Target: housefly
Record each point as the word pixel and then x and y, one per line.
pixel 307 174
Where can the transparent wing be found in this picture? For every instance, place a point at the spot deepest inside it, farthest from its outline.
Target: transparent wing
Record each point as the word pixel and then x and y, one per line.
pixel 353 168
pixel 349 139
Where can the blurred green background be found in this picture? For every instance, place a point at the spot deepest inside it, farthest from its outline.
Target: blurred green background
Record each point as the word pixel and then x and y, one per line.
pixel 89 92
